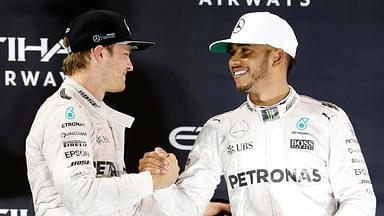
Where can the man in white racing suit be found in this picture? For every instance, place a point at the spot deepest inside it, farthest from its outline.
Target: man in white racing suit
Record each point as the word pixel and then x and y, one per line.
pixel 281 153
pixel 75 148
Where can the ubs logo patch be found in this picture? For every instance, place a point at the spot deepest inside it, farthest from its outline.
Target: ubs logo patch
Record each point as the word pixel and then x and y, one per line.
pixel 239 147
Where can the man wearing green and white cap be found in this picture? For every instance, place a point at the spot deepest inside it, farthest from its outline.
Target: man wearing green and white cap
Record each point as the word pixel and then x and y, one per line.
pixel 281 153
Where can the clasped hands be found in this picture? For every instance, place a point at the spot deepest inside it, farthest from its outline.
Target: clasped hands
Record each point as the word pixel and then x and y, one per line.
pixel 163 167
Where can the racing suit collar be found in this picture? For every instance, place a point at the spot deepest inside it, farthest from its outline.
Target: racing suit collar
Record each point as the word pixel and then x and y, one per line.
pixel 83 92
pixel 99 107
pixel 269 113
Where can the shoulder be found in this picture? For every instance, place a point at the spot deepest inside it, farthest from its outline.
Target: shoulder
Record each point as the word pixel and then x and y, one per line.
pixel 319 103
pixel 60 106
pixel 325 108
pixel 228 116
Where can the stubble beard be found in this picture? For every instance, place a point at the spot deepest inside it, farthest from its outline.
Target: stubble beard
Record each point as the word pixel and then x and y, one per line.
pixel 261 74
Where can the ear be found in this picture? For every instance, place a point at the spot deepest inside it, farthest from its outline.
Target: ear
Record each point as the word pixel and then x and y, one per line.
pixel 97 53
pixel 278 56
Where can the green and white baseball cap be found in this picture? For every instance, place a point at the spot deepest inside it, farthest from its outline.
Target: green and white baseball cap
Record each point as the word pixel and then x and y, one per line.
pixel 260 28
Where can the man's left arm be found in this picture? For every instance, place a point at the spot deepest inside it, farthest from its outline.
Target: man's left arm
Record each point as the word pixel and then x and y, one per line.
pixel 349 175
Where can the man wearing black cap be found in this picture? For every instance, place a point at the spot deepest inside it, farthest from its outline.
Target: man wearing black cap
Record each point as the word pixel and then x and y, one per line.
pixel 281 153
pixel 75 148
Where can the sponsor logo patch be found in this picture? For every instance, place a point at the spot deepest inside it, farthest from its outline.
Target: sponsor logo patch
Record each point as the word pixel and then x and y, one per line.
pixel 361 172
pixel 100 140
pixel 70 113
pixel 76 153
pixel 302 123
pixel 105 168
pixel 72 124
pixel 354 150
pixel 74 143
pixel 73 133
pixel 89 99
pixel 240 24
pixel 270 114
pixel 357 160
pixel 250 177
pixel 239 147
pixel 239 129
pixel 351 141
pixel 79 163
pixel 64 95
pixel 302 144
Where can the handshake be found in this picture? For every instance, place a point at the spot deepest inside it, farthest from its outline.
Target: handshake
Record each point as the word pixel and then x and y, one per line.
pixel 163 167
pixel 165 170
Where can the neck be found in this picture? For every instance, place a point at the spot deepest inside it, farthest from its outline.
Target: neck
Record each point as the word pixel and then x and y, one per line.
pixel 269 94
pixel 89 83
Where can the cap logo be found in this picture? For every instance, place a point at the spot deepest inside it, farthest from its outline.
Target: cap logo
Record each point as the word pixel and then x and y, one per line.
pixel 96 38
pixel 240 24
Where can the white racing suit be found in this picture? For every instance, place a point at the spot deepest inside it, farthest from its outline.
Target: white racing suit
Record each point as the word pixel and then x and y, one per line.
pixel 75 158
pixel 300 157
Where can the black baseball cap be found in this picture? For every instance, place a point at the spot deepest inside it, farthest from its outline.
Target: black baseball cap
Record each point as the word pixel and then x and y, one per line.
pixel 100 27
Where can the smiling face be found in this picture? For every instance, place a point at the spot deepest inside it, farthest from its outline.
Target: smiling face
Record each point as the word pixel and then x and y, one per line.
pixel 248 64
pixel 117 64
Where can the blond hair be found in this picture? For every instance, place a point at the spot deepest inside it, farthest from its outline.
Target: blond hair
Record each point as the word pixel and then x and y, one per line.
pixel 76 61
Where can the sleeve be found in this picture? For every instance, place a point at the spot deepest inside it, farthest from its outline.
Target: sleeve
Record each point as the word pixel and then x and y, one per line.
pixel 69 151
pixel 349 175
pixel 196 185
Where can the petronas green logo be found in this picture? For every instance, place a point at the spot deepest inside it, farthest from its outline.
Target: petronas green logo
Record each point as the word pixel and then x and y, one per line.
pixel 302 123
pixel 70 114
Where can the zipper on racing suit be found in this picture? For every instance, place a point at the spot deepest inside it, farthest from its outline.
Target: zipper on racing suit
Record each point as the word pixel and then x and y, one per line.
pixel 267 128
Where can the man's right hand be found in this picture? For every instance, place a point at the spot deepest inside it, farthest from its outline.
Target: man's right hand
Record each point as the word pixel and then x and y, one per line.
pixel 163 167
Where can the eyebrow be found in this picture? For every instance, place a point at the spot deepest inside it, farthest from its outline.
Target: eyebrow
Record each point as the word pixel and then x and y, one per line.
pixel 239 45
pixel 230 47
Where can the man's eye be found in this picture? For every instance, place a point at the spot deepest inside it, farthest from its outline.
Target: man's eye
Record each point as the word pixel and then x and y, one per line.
pixel 245 50
pixel 231 52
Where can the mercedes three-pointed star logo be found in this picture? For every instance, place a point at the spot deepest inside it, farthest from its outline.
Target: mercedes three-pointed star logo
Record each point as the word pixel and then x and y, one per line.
pixel 239 26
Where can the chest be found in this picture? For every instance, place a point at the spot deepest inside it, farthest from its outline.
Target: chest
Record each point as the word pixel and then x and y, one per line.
pixel 294 143
pixel 105 152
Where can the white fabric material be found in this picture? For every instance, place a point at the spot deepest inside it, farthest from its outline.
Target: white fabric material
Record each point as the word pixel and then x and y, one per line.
pixel 75 158
pixel 300 157
pixel 262 28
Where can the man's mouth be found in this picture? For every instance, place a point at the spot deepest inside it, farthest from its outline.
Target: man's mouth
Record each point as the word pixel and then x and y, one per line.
pixel 237 73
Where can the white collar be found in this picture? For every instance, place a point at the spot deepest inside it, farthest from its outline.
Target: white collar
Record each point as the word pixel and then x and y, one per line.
pixel 276 111
pixel 88 100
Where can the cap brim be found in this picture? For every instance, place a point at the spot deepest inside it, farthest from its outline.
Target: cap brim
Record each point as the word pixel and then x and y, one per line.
pixel 138 45
pixel 220 46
